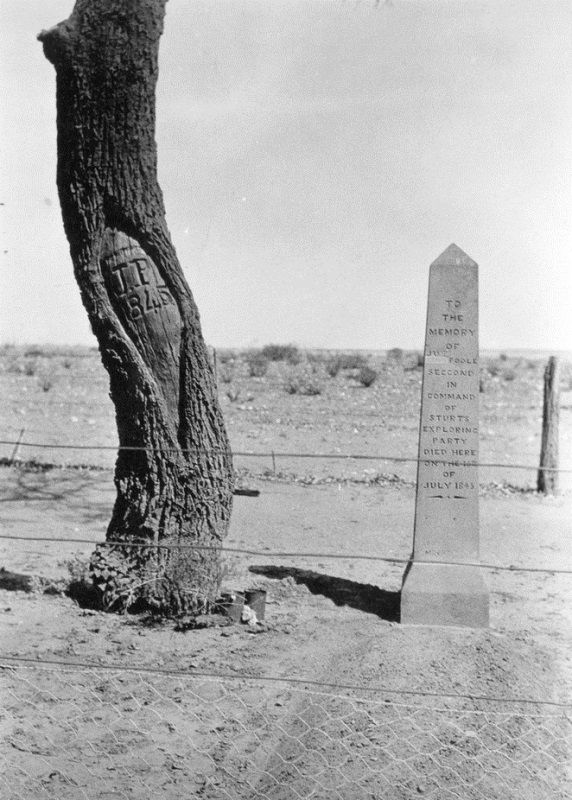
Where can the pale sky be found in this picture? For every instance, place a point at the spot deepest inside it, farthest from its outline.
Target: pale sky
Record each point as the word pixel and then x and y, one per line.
pixel 315 158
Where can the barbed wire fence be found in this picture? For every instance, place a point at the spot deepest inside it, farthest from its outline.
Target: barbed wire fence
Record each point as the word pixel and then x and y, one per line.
pixel 75 729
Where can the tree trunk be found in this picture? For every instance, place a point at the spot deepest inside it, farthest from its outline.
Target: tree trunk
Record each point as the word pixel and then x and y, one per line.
pixel 175 486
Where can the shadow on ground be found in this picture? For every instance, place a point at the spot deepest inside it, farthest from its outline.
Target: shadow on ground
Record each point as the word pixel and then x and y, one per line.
pixel 362 596
pixel 84 496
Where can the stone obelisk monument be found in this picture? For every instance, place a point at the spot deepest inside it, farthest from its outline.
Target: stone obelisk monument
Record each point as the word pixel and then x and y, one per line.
pixel 438 589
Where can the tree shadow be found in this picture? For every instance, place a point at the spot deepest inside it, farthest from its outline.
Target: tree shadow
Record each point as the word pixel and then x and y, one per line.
pixel 85 494
pixel 80 590
pixel 30 486
pixel 362 596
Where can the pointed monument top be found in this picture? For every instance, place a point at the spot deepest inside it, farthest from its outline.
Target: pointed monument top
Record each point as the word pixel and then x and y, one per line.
pixel 453 256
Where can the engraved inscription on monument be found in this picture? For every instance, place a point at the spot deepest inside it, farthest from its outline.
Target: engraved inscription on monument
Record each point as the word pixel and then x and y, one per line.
pixel 446 510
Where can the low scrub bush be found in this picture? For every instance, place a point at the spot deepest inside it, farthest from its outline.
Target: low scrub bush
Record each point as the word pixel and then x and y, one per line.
pixel 303 383
pixel 395 354
pixel 367 376
pixel 226 356
pixel 413 360
pixel 34 351
pixel 13 364
pixel 508 374
pixel 347 361
pixel 315 356
pixel 333 366
pixel 79 583
pixel 226 372
pixel 257 364
pixel 282 352
pixel 78 569
pixel 233 394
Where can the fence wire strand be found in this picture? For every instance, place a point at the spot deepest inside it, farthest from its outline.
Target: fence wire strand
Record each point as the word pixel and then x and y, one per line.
pixel 279 553
pixel 9 662
pixel 278 454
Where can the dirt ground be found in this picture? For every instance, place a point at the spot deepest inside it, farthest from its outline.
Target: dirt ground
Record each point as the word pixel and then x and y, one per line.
pixel 330 696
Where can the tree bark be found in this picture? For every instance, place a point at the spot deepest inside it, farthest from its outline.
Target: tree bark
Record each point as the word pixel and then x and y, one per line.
pixel 175 487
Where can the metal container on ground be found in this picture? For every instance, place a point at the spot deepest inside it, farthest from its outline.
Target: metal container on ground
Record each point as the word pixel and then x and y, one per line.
pixel 256 600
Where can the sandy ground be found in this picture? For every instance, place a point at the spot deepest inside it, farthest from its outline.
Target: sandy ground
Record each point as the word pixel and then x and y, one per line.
pixel 331 696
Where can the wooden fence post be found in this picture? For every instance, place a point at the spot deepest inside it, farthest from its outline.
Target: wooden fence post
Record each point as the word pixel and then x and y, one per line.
pixel 14 455
pixel 547 481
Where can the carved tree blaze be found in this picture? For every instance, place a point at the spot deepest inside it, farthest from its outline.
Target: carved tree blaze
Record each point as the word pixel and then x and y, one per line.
pixel 146 309
pixel 174 472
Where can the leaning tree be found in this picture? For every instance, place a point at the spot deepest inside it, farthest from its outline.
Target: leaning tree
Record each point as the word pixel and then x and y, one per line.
pixel 173 473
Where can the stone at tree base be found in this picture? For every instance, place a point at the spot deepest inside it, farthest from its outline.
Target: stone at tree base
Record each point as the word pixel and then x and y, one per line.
pixel 446 507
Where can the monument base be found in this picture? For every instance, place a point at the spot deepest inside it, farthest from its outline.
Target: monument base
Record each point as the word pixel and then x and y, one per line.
pixel 439 594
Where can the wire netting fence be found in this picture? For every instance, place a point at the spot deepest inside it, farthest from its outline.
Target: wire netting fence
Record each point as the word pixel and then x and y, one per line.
pixel 78 731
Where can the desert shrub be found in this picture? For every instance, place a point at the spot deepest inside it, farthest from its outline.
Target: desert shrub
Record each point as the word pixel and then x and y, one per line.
pixel 508 374
pixel 13 364
pixel 79 586
pixel 226 372
pixel 34 351
pixel 316 356
pixel 493 369
pixel 395 354
pixel 226 356
pixel 350 361
pixel 30 368
pixel 412 362
pixel 257 364
pixel 482 385
pixel 78 569
pixel 47 384
pixel 420 359
pixel 233 394
pixel 282 352
pixel 311 388
pixel 302 383
pixel 503 357
pixel 333 365
pixel 367 376
pixel 67 362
